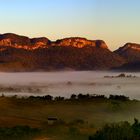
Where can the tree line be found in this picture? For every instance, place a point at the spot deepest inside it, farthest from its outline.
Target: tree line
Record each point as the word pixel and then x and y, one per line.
pixel 118 131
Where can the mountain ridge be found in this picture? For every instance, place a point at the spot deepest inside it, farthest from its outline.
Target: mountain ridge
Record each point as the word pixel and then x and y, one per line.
pixel 18 41
pixel 21 53
pixel 131 53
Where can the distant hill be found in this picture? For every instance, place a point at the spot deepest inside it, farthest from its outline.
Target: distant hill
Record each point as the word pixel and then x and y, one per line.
pixel 131 53
pixel 21 53
pixel 133 66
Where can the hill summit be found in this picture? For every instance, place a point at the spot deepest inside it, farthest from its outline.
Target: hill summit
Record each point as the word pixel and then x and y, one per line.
pixel 21 53
pixel 17 41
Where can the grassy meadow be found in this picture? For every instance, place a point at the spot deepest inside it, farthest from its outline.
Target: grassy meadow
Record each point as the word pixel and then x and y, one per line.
pixel 77 119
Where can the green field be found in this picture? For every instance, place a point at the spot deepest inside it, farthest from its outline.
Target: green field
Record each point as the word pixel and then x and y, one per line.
pixel 76 119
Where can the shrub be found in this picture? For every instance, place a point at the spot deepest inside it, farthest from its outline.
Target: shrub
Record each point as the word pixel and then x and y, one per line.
pixel 118 97
pixel 118 131
pixel 18 133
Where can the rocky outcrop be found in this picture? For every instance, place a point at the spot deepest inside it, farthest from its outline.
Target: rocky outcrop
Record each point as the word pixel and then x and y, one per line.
pixel 41 42
pixel 127 46
pixel 20 53
pixel 13 39
pixel 80 43
pixel 130 51
pixel 16 41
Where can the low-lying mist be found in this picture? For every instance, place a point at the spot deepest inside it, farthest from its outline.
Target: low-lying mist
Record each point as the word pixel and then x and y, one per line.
pixel 66 83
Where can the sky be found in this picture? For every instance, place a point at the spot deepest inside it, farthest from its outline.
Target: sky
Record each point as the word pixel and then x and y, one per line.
pixel 114 21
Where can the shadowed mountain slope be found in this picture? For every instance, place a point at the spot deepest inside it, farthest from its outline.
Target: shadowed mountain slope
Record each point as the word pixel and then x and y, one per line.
pixel 20 53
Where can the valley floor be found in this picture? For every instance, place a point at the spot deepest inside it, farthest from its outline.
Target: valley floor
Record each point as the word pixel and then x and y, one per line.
pixel 64 119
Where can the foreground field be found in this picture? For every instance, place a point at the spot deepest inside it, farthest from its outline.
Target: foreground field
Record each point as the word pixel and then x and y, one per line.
pixel 72 119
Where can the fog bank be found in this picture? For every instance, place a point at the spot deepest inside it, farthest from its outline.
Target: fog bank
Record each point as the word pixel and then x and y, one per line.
pixel 67 83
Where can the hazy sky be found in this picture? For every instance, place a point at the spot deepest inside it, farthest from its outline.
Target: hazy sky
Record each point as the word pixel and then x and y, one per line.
pixel 115 21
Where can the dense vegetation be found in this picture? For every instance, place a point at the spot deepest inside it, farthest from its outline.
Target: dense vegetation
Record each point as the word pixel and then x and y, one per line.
pixel 79 97
pixel 58 58
pixel 18 133
pixel 118 131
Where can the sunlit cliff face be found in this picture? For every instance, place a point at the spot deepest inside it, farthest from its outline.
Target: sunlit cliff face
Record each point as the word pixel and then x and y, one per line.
pixel 10 43
pixel 133 46
pixel 80 42
pixel 16 41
